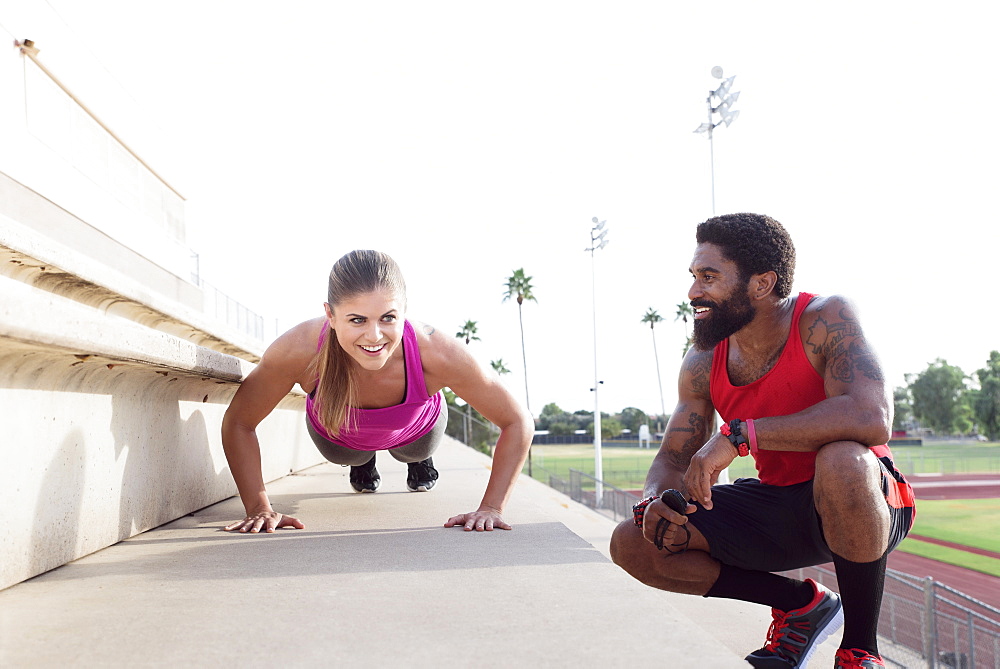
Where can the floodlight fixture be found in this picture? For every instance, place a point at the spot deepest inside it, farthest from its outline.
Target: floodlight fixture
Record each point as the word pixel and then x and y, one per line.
pixel 726 116
pixel 724 87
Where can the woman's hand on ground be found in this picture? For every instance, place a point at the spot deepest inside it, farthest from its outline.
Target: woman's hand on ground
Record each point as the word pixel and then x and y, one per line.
pixel 266 521
pixel 481 520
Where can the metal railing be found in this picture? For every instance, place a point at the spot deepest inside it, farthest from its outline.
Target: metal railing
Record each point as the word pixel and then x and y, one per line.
pixel 227 310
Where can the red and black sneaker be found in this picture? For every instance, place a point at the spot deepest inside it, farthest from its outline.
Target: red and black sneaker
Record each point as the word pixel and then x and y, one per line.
pixel 794 635
pixel 855 658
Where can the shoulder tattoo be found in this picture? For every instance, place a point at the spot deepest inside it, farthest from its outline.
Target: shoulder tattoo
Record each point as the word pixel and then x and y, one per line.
pixel 428 330
pixel 844 347
pixel 696 430
pixel 699 367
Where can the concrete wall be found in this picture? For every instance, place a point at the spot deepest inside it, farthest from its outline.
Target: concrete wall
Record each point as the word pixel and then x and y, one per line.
pixel 112 391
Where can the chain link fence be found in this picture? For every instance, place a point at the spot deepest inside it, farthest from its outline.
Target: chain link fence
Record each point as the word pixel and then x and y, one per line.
pixel 468 427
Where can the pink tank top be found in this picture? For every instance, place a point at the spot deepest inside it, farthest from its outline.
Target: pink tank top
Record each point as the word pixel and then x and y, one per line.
pixel 792 385
pixel 389 427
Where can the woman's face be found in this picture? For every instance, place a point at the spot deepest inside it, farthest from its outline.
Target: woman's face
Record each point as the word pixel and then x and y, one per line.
pixel 369 327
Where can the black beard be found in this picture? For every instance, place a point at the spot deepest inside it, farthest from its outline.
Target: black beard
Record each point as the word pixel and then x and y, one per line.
pixel 725 320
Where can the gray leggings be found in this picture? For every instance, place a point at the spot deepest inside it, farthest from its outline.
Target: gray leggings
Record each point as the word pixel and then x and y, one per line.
pixel 419 449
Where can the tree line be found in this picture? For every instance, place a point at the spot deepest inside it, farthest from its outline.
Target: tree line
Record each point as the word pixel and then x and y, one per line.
pixel 946 400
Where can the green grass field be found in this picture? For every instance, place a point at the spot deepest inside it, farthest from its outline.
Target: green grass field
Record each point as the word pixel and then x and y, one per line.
pixel 983 563
pixel 968 522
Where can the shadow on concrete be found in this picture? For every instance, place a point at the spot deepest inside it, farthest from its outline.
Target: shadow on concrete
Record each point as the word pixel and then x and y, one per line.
pixel 56 522
pixel 168 461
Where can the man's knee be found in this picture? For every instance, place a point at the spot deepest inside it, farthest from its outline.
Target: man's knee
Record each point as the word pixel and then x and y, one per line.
pixel 847 492
pixel 622 548
pixel 844 465
pixel 840 453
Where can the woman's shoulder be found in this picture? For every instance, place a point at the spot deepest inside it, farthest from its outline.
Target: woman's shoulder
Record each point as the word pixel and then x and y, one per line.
pixel 429 339
pixel 446 360
pixel 436 348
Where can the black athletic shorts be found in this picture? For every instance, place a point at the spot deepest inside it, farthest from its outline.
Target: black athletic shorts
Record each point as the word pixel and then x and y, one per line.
pixel 776 528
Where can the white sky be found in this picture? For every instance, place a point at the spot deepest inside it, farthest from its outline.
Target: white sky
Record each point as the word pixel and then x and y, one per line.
pixel 471 139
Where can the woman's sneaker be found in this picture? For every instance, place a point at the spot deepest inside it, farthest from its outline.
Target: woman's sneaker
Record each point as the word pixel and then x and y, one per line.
pixel 855 658
pixel 365 478
pixel 422 475
pixel 794 635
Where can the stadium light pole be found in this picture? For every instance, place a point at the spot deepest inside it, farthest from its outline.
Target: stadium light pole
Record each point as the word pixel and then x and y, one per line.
pixel 724 108
pixel 598 240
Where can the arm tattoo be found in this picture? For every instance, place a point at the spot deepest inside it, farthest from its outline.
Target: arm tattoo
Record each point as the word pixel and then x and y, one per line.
pixel 700 369
pixel 682 458
pixel 844 347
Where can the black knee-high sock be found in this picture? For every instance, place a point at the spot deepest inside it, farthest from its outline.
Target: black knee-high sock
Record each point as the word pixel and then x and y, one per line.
pixel 761 587
pixel 861 585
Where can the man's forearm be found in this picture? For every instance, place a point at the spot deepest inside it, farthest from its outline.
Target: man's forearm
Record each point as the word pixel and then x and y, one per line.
pixel 841 418
pixel 663 474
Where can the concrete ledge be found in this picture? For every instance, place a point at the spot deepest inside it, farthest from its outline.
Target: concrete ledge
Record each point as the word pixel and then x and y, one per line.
pixel 45 246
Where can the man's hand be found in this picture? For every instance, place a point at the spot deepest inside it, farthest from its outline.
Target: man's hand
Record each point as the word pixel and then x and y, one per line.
pixel 706 465
pixel 267 521
pixel 485 519
pixel 656 510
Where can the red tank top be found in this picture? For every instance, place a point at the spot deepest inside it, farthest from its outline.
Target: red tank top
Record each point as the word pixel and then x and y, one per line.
pixel 789 387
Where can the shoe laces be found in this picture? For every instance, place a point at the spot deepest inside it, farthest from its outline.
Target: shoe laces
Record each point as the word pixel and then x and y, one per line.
pixel 781 631
pixel 855 657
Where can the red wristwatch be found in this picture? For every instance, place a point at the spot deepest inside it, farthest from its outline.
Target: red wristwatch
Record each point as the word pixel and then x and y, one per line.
pixel 735 436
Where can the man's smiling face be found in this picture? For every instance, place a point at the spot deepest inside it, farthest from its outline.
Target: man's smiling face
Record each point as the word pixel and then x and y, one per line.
pixel 719 297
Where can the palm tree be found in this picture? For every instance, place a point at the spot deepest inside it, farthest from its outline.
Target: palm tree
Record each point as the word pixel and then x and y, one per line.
pixel 683 311
pixel 468 332
pixel 653 318
pixel 499 367
pixel 519 286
